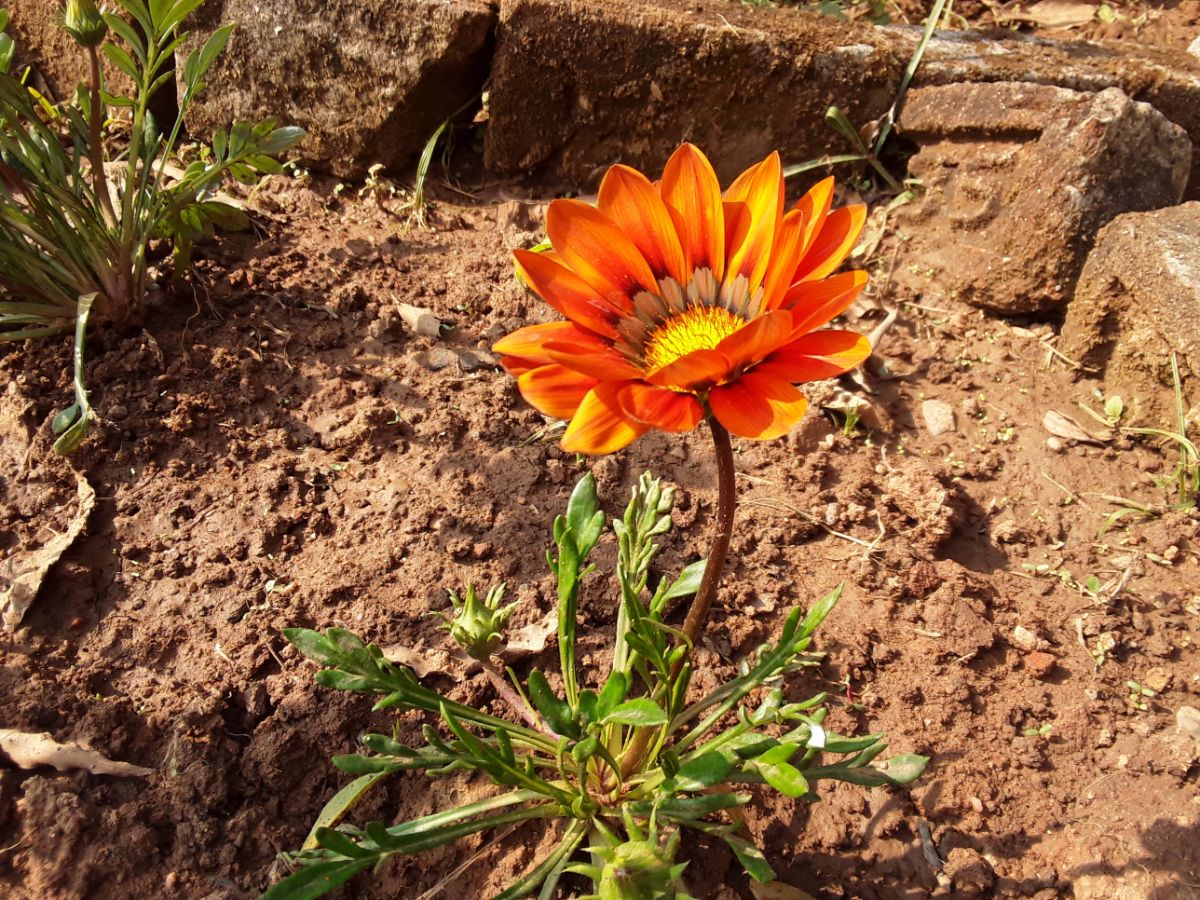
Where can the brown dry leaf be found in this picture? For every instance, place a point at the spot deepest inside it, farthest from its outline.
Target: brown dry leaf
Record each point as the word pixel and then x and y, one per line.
pixel 28 750
pixel 1055 14
pixel 1063 426
pixel 21 575
pixel 532 638
pixel 777 890
pixel 423 660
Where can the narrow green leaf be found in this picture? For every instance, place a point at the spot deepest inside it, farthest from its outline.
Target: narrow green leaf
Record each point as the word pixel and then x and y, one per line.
pixel 817 614
pixel 332 839
pixel 906 768
pixel 640 712
pixel 317 879
pixel 784 777
pixel 688 581
pixel 612 694
pixel 751 858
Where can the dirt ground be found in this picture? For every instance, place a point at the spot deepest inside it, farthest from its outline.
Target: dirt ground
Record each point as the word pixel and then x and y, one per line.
pixel 274 448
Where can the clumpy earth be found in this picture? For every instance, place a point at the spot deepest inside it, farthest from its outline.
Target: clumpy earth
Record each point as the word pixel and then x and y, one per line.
pixel 275 448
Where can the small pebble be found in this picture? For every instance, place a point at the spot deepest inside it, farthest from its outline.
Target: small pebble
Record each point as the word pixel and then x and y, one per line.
pixel 1040 664
pixel 1157 679
pixel 938 416
pixel 1187 721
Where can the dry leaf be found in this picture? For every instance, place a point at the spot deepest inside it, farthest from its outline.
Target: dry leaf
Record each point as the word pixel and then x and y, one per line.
pixel 21 575
pixel 1063 426
pixel 777 890
pixel 1054 14
pixel 28 750
pixel 532 638
pixel 423 660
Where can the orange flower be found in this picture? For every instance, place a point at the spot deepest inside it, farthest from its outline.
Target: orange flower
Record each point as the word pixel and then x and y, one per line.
pixel 681 302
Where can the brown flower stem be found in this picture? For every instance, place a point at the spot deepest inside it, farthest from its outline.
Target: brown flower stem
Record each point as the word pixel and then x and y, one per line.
pixel 99 181
pixel 693 625
pixel 509 696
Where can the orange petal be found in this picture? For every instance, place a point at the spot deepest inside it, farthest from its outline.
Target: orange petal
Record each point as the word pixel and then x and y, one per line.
pixel 693 195
pixel 554 390
pixel 598 251
pixel 660 408
pixel 821 354
pixel 753 207
pixel 516 366
pixel 814 207
pixel 599 426
pixel 529 342
pixel 594 358
pixel 753 341
pixel 757 406
pixel 813 303
pixel 566 292
pixel 635 206
pixel 786 253
pixel 698 369
pixel 833 244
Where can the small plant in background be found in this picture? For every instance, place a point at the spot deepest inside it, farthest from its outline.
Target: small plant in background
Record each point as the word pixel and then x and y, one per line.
pixel 76 219
pixel 683 306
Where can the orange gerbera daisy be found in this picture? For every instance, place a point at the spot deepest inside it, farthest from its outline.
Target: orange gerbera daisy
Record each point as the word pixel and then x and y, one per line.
pixel 681 302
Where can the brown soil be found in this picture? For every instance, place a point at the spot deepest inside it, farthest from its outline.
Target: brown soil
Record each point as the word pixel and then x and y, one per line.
pixel 274 449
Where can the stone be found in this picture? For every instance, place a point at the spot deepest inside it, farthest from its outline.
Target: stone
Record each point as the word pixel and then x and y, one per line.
pixel 420 321
pixel 578 85
pixel 1137 301
pixel 1187 721
pixel 1016 181
pixel 1040 663
pixel 436 359
pixel 476 359
pixel 370 80
pixel 938 416
pixel 1027 640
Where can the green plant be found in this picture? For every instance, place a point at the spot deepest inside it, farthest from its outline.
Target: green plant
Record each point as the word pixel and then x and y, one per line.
pixel 625 756
pixel 76 219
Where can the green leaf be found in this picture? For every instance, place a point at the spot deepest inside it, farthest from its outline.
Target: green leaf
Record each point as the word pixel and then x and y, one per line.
pixel 751 858
pixel 332 839
pixel 688 581
pixel 316 879
pixel 582 509
pixel 641 712
pixel 906 768
pixel 702 772
pixel 612 694
pixel 553 709
pixel 199 62
pixel 119 58
pixel 817 614
pixel 281 139
pixel 691 807
pixel 357 764
pixel 784 777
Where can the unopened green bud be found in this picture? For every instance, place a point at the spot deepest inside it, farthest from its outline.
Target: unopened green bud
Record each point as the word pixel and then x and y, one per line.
pixel 638 870
pixel 478 625
pixel 82 20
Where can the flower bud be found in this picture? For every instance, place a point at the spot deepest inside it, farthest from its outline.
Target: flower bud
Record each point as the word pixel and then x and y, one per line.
pixel 639 870
pixel 83 21
pixel 478 625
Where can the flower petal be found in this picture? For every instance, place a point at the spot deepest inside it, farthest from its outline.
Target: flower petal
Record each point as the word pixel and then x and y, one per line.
pixel 660 408
pixel 598 251
pixel 814 207
pixel 595 358
pixel 753 341
pixel 753 207
pixel 555 390
pixel 699 368
pixel 758 406
pixel 693 195
pixel 786 253
pixel 529 342
pixel 821 354
pixel 813 303
pixel 833 244
pixel 562 289
pixel 634 205
pixel 599 426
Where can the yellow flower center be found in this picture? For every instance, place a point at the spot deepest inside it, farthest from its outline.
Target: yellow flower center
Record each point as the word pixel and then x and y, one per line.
pixel 696 328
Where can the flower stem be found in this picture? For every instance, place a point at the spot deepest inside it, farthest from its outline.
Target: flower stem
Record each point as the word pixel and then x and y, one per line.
pixel 693 625
pixel 509 696
pixel 95 139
